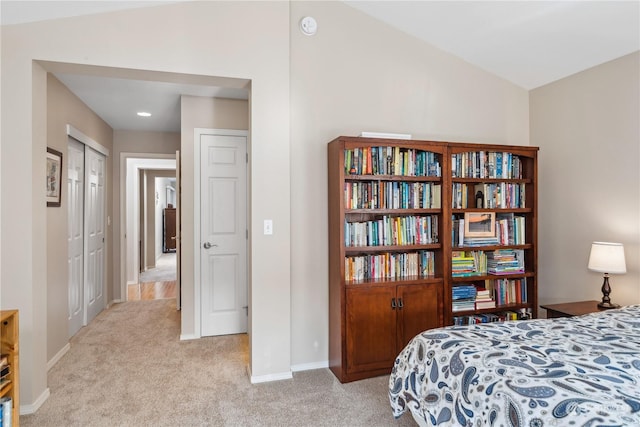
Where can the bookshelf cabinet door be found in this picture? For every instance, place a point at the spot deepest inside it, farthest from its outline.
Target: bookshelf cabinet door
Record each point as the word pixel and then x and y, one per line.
pixel 370 329
pixel 421 310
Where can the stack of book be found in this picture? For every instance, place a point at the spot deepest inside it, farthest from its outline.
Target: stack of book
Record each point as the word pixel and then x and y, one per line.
pixel 505 261
pixel 462 264
pixel 484 299
pixel 463 298
pixel 480 241
pixel 472 263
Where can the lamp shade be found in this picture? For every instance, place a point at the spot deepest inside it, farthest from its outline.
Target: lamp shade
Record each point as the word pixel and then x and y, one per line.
pixel 607 257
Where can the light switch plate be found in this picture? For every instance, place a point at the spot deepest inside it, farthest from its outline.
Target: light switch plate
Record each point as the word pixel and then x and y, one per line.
pixel 268 227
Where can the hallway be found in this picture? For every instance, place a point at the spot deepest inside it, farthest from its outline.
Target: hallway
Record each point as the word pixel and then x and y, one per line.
pixel 156 283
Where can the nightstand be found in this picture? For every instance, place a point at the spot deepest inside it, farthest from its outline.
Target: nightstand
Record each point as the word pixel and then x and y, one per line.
pixel 570 309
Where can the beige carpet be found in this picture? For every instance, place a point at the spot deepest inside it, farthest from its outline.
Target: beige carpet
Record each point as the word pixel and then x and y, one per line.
pixel 128 368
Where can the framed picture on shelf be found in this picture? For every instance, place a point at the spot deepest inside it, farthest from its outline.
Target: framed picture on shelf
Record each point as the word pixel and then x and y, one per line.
pixel 54 177
pixel 479 224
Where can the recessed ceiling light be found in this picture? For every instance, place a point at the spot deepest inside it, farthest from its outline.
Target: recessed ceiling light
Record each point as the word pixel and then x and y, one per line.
pixel 144 114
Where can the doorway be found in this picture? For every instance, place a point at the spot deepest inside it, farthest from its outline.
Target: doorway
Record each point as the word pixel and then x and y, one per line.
pixel 138 172
pixel 158 208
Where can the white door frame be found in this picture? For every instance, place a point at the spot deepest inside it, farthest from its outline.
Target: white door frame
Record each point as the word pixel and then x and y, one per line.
pixel 124 156
pixel 197 294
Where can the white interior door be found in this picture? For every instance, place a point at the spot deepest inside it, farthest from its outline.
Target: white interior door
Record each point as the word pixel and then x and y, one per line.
pixel 223 229
pixel 75 234
pixel 95 232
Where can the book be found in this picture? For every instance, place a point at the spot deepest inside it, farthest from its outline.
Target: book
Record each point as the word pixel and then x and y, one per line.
pixel 6 409
pixel 4 371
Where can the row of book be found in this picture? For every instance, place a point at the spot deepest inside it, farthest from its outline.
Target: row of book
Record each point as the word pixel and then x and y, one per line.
pixel 390 266
pixel 392 195
pixel 500 195
pixel 391 161
pixel 478 263
pixel 483 164
pixel 510 291
pixel 510 229
pixel 387 231
pixel 523 314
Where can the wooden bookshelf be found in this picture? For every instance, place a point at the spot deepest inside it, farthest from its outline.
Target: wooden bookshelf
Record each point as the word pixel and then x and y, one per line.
pixel 9 347
pixel 513 194
pixel 372 318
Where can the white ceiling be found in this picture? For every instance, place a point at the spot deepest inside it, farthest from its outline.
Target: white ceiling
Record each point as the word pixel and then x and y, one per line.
pixel 118 101
pixel 530 43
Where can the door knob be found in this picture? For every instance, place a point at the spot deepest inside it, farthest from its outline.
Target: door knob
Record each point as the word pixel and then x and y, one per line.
pixel 208 245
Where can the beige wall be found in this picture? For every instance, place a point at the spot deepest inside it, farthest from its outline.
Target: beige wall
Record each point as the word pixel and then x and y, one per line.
pixel 356 75
pixel 207 113
pixel 65 108
pixel 247 40
pixel 588 129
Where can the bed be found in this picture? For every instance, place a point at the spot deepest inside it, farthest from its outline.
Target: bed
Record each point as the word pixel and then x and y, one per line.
pixel 579 371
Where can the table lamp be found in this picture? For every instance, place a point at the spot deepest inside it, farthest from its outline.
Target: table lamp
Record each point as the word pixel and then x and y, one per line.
pixel 607 258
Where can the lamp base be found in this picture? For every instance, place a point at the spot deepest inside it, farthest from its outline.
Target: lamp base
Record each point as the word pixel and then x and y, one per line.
pixel 607 305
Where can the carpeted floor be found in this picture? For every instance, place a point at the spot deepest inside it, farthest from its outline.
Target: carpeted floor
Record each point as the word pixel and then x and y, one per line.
pixel 128 368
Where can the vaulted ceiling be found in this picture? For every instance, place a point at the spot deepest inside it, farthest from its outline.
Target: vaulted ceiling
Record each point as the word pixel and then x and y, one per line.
pixel 530 43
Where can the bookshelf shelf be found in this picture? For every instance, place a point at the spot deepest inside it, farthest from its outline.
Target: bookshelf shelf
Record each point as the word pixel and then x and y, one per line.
pixel 372 318
pixel 392 178
pixel 476 277
pixel 9 349
pixel 383 282
pixel 394 248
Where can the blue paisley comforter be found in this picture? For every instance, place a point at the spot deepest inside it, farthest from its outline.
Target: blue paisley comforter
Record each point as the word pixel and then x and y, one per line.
pixel 580 371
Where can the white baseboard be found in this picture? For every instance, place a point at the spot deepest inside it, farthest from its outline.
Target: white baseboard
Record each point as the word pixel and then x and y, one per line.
pixel 310 366
pixel 32 408
pixel 255 379
pixel 187 337
pixel 51 363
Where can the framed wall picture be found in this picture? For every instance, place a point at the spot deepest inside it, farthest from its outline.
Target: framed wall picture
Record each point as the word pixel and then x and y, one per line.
pixel 479 224
pixel 54 177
